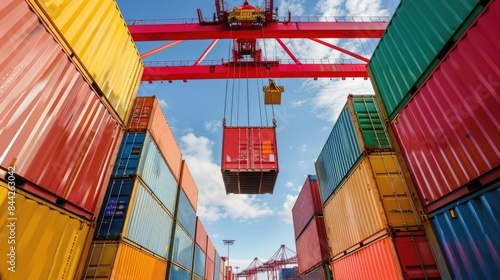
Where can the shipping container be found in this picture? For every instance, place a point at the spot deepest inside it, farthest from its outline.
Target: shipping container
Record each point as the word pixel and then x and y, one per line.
pixel 415 255
pixel 286 273
pixel 373 199
pixel 186 214
pixel 39 240
pixel 249 159
pixel 97 39
pixel 375 261
pixel 210 249
pixel 217 267
pixel 188 185
pixel 199 261
pixel 147 115
pixel 209 269
pixel 132 212
pixel 120 260
pixel 417 38
pixel 312 245
pixel 140 155
pixel 183 248
pixel 467 231
pixel 322 272
pixel 179 273
pixel 340 152
pixel 201 237
pixel 307 205
pixel 449 130
pixel 54 128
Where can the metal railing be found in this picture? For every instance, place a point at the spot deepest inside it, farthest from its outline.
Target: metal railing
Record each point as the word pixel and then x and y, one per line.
pixel 220 62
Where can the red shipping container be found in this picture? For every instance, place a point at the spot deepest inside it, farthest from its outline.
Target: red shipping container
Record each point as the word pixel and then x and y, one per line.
pixel 449 131
pixel 307 205
pixel 55 129
pixel 375 261
pixel 147 115
pixel 249 159
pixel 415 256
pixel 188 185
pixel 201 236
pixel 312 246
pixel 210 250
pixel 209 269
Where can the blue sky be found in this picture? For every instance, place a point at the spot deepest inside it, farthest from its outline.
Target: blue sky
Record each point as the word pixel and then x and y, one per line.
pixel 195 109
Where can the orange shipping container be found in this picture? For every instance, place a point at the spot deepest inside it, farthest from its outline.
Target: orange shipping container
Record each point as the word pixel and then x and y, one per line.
pixel 201 235
pixel 147 115
pixel 120 260
pixel 188 185
pixel 373 199
pixel 376 261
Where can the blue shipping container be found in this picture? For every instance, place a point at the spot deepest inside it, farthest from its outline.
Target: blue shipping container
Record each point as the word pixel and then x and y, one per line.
pixel 177 273
pixel 150 224
pixel 183 248
pixel 217 266
pixel 186 214
pixel 468 232
pixel 341 151
pixel 199 261
pixel 287 273
pixel 113 213
pixel 139 154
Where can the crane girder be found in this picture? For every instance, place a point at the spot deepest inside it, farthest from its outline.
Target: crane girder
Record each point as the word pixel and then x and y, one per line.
pixel 238 71
pixel 293 30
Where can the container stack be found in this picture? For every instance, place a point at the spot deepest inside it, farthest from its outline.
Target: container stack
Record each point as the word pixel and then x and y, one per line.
pixel 136 219
pixel 65 99
pixel 288 274
pixel 367 205
pixel 441 99
pixel 310 234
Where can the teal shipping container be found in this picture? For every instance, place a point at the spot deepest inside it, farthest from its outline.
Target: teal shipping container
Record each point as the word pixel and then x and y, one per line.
pixel 359 128
pixel 186 214
pixel 178 273
pixel 199 261
pixel 182 251
pixel 140 155
pixel 419 35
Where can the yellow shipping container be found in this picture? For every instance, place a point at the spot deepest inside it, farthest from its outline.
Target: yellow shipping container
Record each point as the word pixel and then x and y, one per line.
pixel 95 35
pixel 120 260
pixel 38 240
pixel 371 201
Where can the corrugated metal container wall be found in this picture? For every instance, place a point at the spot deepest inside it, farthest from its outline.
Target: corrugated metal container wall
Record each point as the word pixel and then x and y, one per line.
pixel 415 255
pixel 342 149
pixel 188 185
pixel 467 231
pixel 123 261
pixel 354 212
pixel 210 249
pixel 199 261
pixel 209 269
pixel 52 123
pixel 147 115
pixel 48 240
pixel 368 122
pixel 186 214
pixel 150 224
pixel 183 248
pixel 376 261
pixel 217 267
pixel 96 36
pixel 312 245
pixel 316 274
pixel 115 208
pixel 418 36
pixel 449 131
pixel 201 235
pixel 179 273
pixel 307 205
pixel 139 155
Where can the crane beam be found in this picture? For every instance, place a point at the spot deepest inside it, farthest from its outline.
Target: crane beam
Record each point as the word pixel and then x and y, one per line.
pixel 232 71
pixel 194 31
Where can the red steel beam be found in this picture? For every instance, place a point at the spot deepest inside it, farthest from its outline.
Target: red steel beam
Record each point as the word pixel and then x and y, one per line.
pixel 290 54
pixel 201 72
pixel 341 50
pixel 195 31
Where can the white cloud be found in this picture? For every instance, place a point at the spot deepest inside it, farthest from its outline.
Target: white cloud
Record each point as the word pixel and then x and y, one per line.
pixel 289 184
pixel 213 203
pixel 214 236
pixel 286 212
pixel 297 103
pixel 212 126
pixel 303 148
pixel 163 103
pixel 324 128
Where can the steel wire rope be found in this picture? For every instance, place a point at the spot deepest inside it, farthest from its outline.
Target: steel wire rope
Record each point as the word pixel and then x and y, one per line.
pixel 227 78
pixel 258 93
pixel 248 97
pixel 268 69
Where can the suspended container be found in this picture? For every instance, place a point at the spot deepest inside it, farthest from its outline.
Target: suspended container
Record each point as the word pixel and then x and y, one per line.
pixel 249 159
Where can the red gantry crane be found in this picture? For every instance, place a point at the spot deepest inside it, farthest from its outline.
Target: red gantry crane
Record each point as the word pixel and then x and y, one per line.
pixel 283 257
pixel 245 25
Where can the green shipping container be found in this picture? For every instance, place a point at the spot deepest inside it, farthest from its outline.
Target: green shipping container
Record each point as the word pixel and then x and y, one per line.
pixel 419 35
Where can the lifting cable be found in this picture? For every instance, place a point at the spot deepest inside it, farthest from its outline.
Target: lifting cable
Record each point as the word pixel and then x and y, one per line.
pixel 268 68
pixel 227 79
